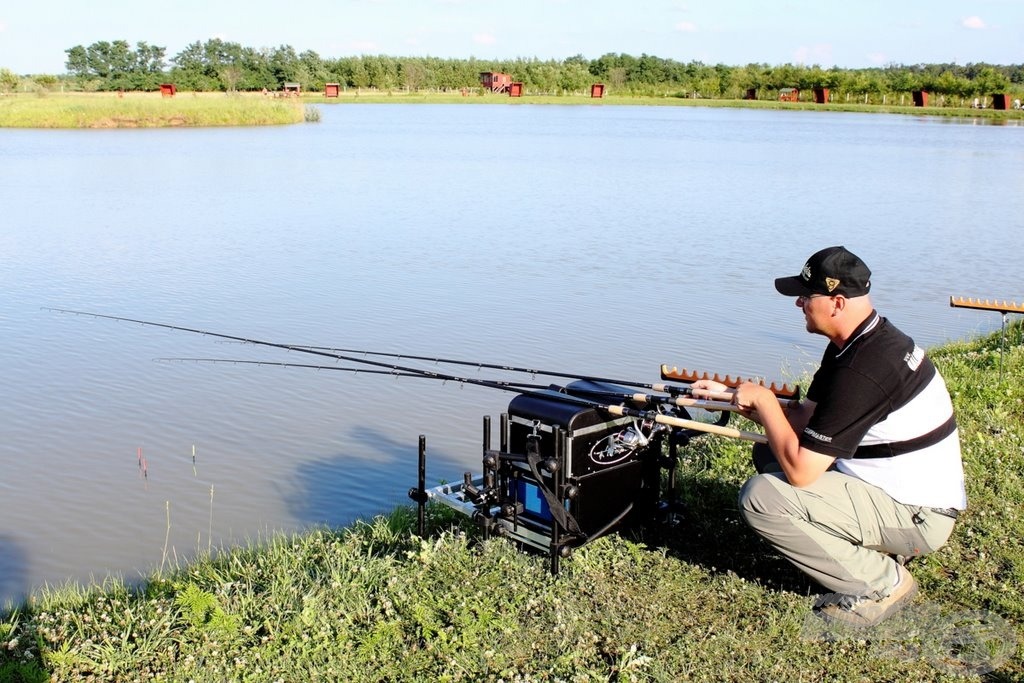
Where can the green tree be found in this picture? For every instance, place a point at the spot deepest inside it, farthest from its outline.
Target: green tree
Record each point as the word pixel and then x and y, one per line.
pixel 257 73
pixel 315 73
pixel 574 77
pixel 8 81
pixel 116 65
pixel 785 76
pixel 47 81
pixel 193 69
pixel 990 81
pixel 360 76
pixel 220 65
pixel 541 76
pixel 902 81
pixel 382 72
pixel 945 85
pixel 77 63
pixel 413 74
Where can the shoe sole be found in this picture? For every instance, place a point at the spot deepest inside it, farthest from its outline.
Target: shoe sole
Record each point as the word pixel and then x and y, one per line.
pixel 838 617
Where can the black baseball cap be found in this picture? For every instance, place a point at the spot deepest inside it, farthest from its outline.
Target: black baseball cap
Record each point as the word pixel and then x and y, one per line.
pixel 831 271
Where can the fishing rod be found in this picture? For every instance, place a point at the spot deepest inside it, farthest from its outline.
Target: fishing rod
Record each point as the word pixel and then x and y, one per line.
pixel 337 354
pixel 519 387
pixel 493 384
pixel 787 395
pixel 564 394
pixel 390 368
pixel 673 390
pixel 261 342
pixel 620 410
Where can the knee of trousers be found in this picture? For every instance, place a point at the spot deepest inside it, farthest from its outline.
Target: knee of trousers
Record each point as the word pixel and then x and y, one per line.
pixel 760 500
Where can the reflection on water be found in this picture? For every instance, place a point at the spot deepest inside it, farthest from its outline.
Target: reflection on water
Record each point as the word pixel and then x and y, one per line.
pixel 598 240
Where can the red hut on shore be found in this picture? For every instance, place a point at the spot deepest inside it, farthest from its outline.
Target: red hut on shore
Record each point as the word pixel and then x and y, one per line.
pixel 495 81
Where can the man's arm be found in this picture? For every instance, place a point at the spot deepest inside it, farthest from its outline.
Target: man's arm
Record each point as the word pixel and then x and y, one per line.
pixel 799 414
pixel 801 466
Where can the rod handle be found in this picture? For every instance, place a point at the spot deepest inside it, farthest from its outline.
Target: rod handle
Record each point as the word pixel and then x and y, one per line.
pixel 683 423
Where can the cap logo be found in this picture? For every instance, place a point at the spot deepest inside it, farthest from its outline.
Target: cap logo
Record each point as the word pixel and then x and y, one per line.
pixel 831 283
pixel 806 272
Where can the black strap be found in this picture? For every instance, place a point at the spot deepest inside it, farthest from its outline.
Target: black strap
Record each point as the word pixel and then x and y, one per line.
pixel 558 511
pixel 888 450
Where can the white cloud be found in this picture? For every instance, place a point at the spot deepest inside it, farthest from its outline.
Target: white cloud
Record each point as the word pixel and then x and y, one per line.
pixel 974 23
pixel 877 58
pixel 484 39
pixel 686 27
pixel 3 26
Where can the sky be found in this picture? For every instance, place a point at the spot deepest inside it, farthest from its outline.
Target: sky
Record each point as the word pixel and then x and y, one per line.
pixel 851 34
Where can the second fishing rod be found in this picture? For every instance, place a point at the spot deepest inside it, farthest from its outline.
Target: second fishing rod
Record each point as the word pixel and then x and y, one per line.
pixel 621 410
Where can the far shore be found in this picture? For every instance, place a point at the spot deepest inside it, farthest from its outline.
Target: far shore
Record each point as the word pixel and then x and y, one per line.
pixel 147 110
pixel 189 109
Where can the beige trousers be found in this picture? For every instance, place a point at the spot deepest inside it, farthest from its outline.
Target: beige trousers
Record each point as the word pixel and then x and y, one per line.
pixel 841 531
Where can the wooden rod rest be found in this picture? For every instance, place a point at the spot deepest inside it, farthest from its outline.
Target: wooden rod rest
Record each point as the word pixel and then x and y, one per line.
pixel 683 375
pixel 986 305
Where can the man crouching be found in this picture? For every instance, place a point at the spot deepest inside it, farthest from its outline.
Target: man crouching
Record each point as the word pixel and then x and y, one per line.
pixel 866 472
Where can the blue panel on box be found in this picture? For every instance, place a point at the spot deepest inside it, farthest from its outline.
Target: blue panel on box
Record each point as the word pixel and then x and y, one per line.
pixel 533 502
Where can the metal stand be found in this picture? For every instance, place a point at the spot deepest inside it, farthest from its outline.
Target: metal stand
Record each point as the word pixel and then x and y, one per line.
pixel 1005 308
pixel 565 475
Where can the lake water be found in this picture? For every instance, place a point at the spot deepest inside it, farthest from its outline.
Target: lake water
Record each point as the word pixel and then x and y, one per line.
pixel 600 240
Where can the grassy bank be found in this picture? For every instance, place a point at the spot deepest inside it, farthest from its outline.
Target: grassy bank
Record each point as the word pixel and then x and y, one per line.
pixel 702 601
pixel 146 110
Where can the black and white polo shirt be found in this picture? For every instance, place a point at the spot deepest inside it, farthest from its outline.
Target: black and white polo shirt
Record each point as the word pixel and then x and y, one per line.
pixel 882 409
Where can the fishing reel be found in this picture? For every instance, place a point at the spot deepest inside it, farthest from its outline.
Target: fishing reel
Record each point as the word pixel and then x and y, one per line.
pixel 622 445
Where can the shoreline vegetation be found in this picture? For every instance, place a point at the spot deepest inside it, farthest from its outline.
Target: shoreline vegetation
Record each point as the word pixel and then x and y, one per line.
pixel 190 109
pixel 147 110
pixel 700 601
pixel 218 66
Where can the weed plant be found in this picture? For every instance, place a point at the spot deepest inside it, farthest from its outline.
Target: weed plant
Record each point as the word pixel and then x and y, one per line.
pixel 702 600
pixel 146 110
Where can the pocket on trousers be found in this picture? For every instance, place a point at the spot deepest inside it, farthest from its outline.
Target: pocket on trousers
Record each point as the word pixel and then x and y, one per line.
pixel 866 515
pixel 936 530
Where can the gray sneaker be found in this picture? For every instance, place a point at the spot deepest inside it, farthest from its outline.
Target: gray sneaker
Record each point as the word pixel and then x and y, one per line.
pixel 859 611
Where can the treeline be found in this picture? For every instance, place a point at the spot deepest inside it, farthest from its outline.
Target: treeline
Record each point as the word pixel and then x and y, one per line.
pixel 216 65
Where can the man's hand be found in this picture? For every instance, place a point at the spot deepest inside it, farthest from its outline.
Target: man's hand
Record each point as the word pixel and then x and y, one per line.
pixel 750 398
pixel 706 388
pixel 801 466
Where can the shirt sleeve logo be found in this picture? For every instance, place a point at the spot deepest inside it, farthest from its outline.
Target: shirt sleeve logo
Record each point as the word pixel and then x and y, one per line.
pixel 914 358
pixel 817 436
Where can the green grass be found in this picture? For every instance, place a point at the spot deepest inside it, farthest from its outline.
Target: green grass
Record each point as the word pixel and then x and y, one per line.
pixel 146 110
pixel 700 601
